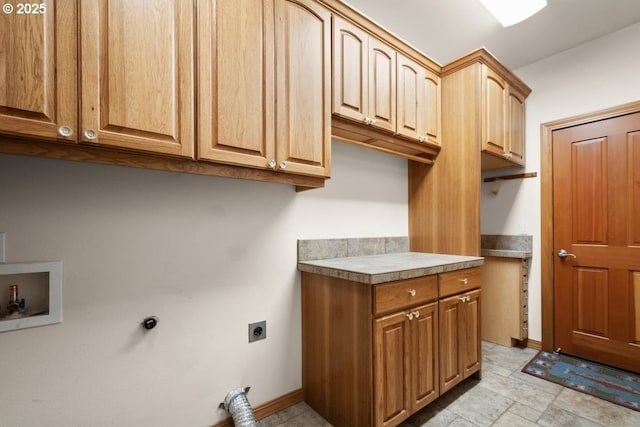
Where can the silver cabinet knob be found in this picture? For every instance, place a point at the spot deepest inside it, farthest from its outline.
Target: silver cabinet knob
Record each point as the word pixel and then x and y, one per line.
pixel 283 165
pixel 563 254
pixel 65 131
pixel 412 292
pixel 416 313
pixel 90 134
pixel 272 164
pixel 465 280
pixel 367 120
pixel 410 316
pixel 374 121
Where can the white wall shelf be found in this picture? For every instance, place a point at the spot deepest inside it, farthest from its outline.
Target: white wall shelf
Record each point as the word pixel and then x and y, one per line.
pixel 40 283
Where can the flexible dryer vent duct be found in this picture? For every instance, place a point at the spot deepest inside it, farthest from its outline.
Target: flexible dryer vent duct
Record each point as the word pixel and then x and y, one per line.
pixel 238 406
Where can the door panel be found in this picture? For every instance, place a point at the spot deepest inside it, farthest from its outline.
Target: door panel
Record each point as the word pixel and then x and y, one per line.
pixel 589 160
pixel 137 75
pixel 38 72
pixel 391 365
pixel 350 70
pixel 424 346
pixel 450 321
pixel 235 84
pixel 303 87
pixel 496 115
pixel 409 79
pixel 591 303
pixel 596 185
pixel 635 297
pixel 382 85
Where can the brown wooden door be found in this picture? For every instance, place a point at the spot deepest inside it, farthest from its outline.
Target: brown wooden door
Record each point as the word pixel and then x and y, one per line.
pixel 424 356
pixel 382 85
pixel 303 87
pixel 495 117
pixel 596 211
pixel 350 59
pixel 38 77
pixel 391 369
pixel 449 311
pixel 515 134
pixel 410 76
pixel 137 75
pixel 236 96
pixel 470 352
pixel 429 108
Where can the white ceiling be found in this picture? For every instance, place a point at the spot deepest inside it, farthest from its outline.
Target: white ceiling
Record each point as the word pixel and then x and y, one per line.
pixel 447 29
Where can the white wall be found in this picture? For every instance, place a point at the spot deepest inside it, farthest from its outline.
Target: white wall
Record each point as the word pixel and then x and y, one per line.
pixel 594 76
pixel 206 255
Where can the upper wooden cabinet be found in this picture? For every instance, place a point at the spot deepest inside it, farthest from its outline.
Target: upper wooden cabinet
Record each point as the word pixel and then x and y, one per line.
pixel 381 97
pixel 303 87
pixel 38 96
pixel 250 55
pixel 364 77
pixel 137 75
pixel 418 102
pixel 504 118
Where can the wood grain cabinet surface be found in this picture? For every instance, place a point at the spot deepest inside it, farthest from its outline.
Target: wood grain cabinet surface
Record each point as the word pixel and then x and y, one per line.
pixel 137 75
pixel 381 97
pixel 372 355
pixel 134 83
pixel 264 85
pixel 503 108
pixel 38 60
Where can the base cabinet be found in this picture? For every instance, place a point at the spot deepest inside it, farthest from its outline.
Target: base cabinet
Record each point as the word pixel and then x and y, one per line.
pixel 405 363
pixel 459 338
pixel 373 355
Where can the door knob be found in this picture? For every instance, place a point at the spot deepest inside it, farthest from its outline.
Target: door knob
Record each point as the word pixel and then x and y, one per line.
pixel 563 254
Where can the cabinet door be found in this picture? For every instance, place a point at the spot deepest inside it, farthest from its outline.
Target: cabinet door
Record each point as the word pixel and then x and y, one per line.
pixel 236 57
pixel 450 315
pixel 350 57
pixel 303 87
pixel 495 120
pixel 515 146
pixel 38 72
pixel 391 369
pixel 429 109
pixel 424 356
pixel 382 85
pixel 137 75
pixel 410 76
pixel 470 351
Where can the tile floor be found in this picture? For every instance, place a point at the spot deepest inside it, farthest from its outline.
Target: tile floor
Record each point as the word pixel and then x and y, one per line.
pixel 504 397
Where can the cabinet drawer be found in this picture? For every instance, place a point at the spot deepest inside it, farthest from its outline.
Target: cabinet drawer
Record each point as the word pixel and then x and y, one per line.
pixel 459 281
pixel 404 293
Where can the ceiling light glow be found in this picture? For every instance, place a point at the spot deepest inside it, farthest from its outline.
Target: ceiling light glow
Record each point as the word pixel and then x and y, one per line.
pixel 509 12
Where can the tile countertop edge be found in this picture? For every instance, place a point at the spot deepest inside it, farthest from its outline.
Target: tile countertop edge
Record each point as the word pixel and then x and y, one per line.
pixel 391 276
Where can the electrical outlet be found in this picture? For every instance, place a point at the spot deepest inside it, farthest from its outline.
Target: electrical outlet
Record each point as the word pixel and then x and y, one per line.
pixel 257 331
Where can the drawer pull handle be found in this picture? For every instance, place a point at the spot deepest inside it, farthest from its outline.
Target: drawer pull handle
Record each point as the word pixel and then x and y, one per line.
pixel 412 292
pixel 465 280
pixel 410 316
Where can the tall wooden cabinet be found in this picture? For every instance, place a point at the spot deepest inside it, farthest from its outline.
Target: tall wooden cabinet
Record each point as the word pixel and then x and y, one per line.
pixel 137 75
pixel 482 110
pixel 38 95
pixel 264 85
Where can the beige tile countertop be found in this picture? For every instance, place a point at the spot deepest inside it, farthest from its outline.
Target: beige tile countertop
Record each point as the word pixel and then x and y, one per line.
pixel 374 269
